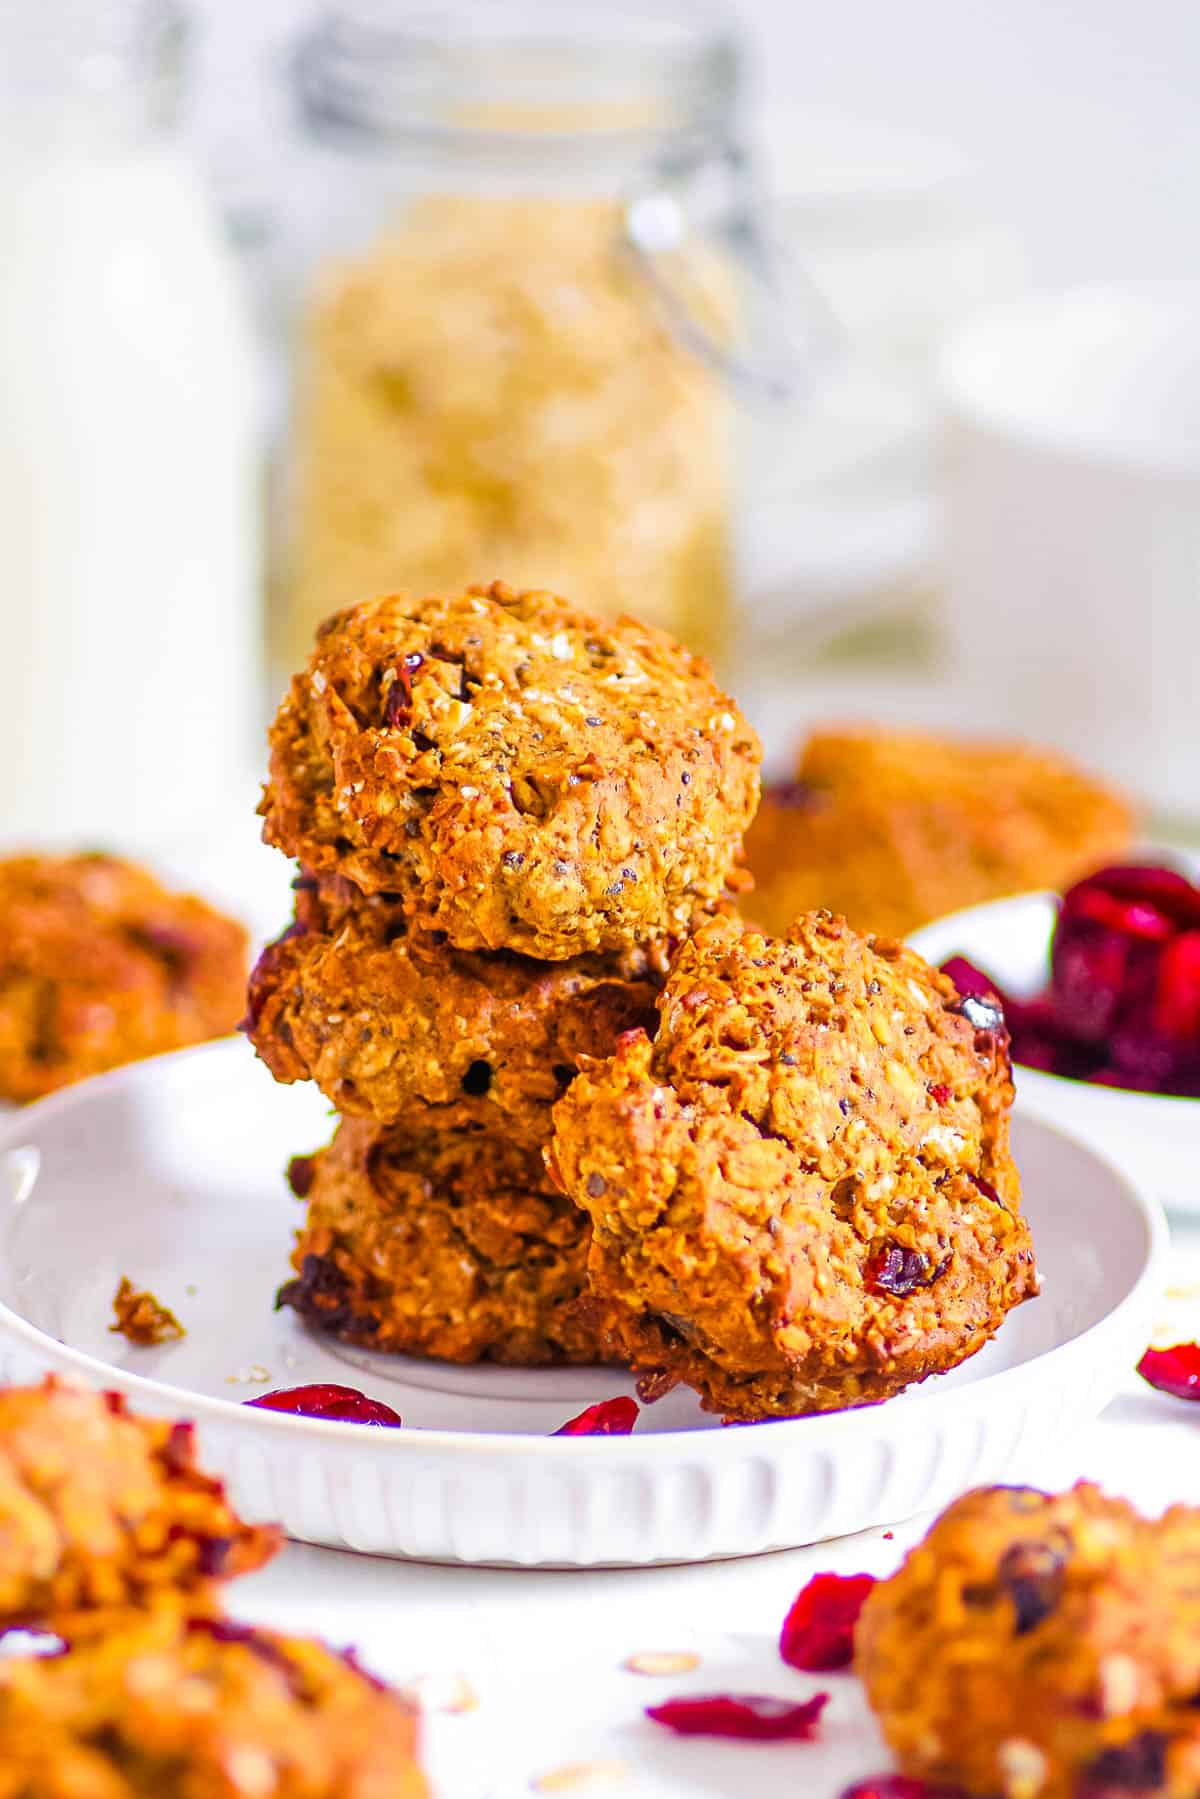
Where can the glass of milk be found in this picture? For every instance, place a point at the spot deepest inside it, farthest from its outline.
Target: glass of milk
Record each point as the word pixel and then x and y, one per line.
pixel 129 486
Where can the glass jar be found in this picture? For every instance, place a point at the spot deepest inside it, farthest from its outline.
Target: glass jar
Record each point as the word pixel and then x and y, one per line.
pixel 518 249
pixel 130 443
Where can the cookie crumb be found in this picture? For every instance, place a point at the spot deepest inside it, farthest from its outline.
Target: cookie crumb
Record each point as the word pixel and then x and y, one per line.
pixel 142 1319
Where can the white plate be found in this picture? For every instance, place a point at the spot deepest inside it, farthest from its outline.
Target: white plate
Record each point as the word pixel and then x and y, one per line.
pixel 170 1171
pixel 1153 1136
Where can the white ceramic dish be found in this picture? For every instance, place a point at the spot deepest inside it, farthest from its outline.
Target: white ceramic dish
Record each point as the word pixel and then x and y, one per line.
pixel 1153 1136
pixel 170 1171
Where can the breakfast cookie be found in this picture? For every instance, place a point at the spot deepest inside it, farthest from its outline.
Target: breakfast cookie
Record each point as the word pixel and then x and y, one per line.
pixel 201 1708
pixel 452 1245
pixel 893 828
pixel 100 964
pixel 801 1189
pixel 522 775
pixel 1042 1647
pixel 388 1021
pixel 100 1511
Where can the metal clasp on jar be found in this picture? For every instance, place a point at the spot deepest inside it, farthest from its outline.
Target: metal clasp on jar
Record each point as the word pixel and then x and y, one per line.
pixel 771 332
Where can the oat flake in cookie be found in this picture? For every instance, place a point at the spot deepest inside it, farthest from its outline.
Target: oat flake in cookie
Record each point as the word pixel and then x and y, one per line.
pixel 522 775
pixel 801 1189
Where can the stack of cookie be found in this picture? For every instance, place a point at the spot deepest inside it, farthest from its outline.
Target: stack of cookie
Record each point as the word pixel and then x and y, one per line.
pixel 506 814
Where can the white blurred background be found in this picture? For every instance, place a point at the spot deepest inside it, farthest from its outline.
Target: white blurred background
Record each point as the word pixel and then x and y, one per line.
pixel 1080 116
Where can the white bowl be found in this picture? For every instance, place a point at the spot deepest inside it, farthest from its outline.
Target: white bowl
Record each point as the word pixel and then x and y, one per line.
pixel 1072 527
pixel 1153 1136
pixel 170 1171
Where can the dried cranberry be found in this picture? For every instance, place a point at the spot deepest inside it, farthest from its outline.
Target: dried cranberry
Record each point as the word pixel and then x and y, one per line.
pixel 969 978
pixel 754 1717
pixel 1032 1575
pixel 1123 1005
pixel 1144 1060
pixel 1090 972
pixel 1175 1370
pixel 175 947
pixel 655 1385
pixel 1041 1053
pixel 1129 917
pixel 898 1271
pixel 1165 889
pixel 264 974
pixel 610 1418
pixel 1037 1037
pixel 213 1554
pixel 322 1295
pixel 397 709
pixel 222 1630
pixel 301 1172
pixel 987 1189
pixel 1177 995
pixel 327 1400
pixel 980 1000
pixel 900 1786
pixel 1139 1766
pixel 178 1453
pixel 818 1632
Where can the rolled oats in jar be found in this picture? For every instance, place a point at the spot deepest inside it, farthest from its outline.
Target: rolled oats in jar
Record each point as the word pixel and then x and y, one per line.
pixel 491 375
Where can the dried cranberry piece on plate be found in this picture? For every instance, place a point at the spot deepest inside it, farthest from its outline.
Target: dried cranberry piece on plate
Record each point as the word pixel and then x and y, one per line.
pixel 610 1418
pixel 900 1786
pixel 326 1399
pixel 753 1717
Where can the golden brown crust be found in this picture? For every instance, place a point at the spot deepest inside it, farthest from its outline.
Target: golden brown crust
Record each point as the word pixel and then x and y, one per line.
pixel 100 964
pixel 1042 1647
pixel 452 1245
pixel 196 1708
pixel 893 828
pixel 522 775
pixel 389 1022
pixel 100 1511
pixel 801 1191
